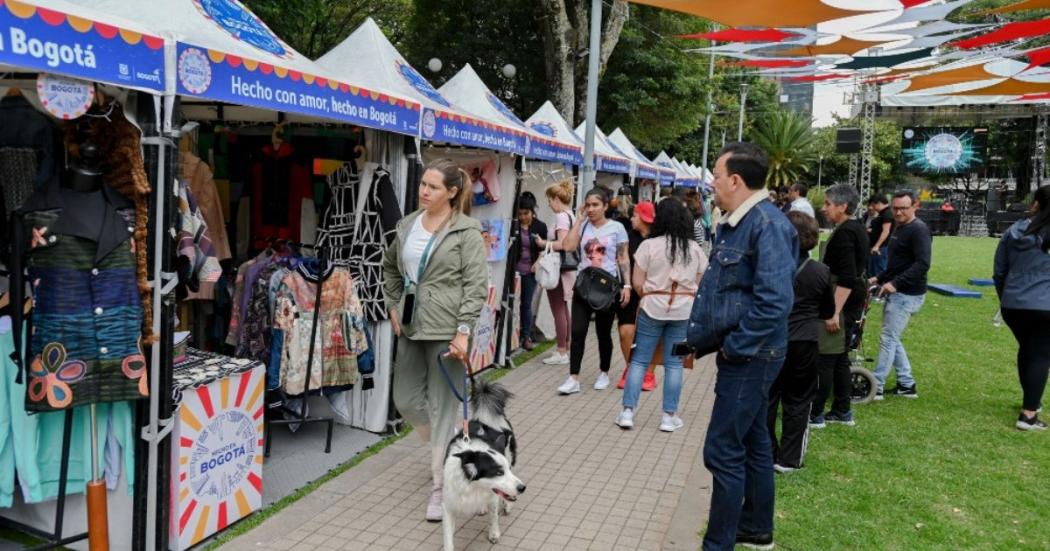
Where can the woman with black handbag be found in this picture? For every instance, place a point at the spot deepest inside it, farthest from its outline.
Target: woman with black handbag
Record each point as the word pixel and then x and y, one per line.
pixel 602 284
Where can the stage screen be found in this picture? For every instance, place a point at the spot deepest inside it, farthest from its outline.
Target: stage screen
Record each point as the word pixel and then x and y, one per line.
pixel 944 150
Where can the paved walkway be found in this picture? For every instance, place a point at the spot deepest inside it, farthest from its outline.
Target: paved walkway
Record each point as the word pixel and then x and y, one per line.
pixel 590 484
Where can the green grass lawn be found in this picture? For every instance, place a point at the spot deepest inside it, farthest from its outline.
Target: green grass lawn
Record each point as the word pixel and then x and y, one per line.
pixel 945 471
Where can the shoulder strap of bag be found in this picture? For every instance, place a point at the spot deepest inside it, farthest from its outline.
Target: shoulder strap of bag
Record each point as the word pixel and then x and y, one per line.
pixel 801 266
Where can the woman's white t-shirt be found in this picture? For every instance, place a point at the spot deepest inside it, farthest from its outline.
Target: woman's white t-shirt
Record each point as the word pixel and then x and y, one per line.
pixel 412 252
pixel 660 274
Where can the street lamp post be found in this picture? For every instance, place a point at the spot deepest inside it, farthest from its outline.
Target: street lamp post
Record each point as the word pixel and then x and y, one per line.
pixel 820 171
pixel 743 102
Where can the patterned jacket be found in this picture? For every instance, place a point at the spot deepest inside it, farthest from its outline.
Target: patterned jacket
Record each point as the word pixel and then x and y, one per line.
pixel 79 255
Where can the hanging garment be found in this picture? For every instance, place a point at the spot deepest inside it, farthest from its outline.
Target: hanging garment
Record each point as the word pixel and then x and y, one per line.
pixel 119 141
pixel 279 184
pixel 198 175
pixel 31 445
pixel 197 263
pixel 25 127
pixel 86 344
pixel 340 335
pixel 361 220
pixel 18 170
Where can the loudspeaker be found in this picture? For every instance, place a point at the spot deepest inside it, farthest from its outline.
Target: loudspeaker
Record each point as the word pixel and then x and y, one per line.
pixel 847 140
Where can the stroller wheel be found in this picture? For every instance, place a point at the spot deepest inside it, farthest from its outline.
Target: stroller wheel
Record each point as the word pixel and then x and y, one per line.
pixel 863 385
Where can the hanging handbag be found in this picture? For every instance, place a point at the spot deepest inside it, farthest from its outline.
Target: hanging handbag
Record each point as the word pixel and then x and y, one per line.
pixel 548 269
pixel 599 289
pixel 570 260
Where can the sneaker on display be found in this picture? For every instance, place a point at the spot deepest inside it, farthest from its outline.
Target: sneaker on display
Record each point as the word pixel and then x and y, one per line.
pixel 603 381
pixel 626 419
pixel 837 418
pixel 671 423
pixel 817 422
pixel 905 391
pixel 1030 423
pixel 570 386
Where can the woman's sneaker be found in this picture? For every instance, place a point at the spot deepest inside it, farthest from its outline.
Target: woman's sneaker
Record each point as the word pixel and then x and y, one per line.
pixel 626 419
pixel 755 541
pixel 1030 423
pixel 840 418
pixel 671 423
pixel 556 358
pixel 570 386
pixel 603 381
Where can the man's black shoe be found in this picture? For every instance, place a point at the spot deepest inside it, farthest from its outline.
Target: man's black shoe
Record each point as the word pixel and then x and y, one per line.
pixel 905 391
pixel 755 541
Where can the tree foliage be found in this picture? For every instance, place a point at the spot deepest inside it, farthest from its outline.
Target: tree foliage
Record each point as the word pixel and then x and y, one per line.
pixel 788 141
pixel 313 27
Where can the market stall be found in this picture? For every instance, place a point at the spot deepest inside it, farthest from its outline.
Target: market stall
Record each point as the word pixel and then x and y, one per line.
pixel 645 173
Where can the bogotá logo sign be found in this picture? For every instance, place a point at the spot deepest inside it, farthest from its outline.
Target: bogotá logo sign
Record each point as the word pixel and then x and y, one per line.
pixel 243 25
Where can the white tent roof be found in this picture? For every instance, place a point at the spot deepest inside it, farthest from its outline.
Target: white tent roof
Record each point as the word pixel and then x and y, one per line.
pixel 644 168
pixel 468 93
pixel 608 158
pixel 224 52
pixel 547 121
pixel 367 58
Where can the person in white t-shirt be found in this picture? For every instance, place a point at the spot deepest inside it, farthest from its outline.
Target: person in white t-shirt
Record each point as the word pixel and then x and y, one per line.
pixel 667 271
pixel 797 199
pixel 603 245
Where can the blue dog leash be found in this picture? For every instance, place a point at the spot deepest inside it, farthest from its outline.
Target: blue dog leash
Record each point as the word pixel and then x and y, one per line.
pixel 448 379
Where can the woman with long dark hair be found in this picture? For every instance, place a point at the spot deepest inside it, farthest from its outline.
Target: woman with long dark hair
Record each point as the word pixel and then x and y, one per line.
pixel 526 250
pixel 603 245
pixel 667 271
pixel 434 276
pixel 1022 281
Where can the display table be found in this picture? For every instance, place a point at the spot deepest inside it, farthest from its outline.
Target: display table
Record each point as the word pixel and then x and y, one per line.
pixel 217 445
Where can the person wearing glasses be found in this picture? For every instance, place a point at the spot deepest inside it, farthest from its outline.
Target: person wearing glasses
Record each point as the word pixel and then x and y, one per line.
pixel 903 284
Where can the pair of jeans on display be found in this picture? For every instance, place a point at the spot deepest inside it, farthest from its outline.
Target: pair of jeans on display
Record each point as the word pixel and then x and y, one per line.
pixel 738 451
pixel 896 315
pixel 647 336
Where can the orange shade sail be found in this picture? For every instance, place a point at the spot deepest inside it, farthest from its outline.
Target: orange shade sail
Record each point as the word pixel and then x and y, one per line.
pixel 1020 6
pixel 1008 87
pixel 952 76
pixel 755 13
pixel 842 46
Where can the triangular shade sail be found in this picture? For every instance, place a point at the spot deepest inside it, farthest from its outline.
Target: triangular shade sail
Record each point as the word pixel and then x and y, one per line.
pixel 743 35
pixel 950 77
pixel 769 13
pixel 871 62
pixel 937 12
pixel 1008 87
pixel 773 63
pixel 1009 31
pixel 1021 6
pixel 842 46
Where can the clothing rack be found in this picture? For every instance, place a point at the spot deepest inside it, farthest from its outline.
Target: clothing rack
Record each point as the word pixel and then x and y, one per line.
pixel 54 540
pixel 303 418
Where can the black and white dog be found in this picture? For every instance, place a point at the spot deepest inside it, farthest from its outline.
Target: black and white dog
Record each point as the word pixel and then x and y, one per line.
pixel 478 477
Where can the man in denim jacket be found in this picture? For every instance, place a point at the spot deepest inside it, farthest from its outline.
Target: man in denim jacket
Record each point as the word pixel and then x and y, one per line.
pixel 741 312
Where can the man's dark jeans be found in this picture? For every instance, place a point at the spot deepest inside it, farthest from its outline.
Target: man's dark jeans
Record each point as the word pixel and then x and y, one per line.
pixel 738 451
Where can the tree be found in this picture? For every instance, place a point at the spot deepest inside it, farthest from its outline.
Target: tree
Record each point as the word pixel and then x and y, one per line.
pixel 565 27
pixel 886 174
pixel 313 27
pixel 788 141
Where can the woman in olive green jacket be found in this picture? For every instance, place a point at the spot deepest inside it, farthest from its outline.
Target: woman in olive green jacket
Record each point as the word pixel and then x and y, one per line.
pixel 436 282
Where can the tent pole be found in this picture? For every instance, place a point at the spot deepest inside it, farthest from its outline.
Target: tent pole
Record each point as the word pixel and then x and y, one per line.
pixel 710 107
pixel 593 57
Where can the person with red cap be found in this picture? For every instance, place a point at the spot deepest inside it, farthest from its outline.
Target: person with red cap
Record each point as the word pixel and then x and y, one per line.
pixel 641 223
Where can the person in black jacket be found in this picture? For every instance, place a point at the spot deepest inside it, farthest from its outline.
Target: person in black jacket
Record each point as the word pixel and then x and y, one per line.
pixel 527 252
pixel 797 381
pixel 846 256
pixel 904 284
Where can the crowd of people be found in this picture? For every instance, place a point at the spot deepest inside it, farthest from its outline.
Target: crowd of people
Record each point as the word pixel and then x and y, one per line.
pixel 736 278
